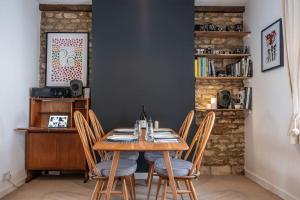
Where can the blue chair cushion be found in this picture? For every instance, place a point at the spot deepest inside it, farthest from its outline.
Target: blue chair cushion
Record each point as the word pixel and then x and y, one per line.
pixel 180 167
pixel 131 155
pixel 152 156
pixel 125 167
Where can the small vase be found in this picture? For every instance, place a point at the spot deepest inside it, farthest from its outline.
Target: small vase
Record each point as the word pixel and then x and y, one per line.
pixel 294 139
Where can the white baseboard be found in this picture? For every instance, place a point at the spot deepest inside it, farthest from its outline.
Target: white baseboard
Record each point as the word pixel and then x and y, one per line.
pixel 10 187
pixel 269 186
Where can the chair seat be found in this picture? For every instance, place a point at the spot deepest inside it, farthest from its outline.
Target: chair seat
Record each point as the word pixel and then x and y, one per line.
pixel 152 156
pixel 126 167
pixel 180 167
pixel 131 155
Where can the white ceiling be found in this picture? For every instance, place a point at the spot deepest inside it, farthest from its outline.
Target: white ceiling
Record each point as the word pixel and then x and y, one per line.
pixel 197 2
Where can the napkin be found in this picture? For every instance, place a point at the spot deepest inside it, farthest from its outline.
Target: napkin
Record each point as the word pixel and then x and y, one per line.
pixel 122 138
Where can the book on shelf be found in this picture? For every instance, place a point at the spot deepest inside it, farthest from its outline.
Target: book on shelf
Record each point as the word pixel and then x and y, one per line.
pixel 248 98
pixel 243 68
pixel 204 67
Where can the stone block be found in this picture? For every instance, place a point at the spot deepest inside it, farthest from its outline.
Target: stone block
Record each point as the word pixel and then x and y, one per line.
pixel 59 15
pixel 49 14
pixel 221 170
pixel 205 170
pixel 238 170
pixel 69 15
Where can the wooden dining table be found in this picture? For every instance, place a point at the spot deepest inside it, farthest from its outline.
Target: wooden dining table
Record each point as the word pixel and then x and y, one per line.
pixel 140 145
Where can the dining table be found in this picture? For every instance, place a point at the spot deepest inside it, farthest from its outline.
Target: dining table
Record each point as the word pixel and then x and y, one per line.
pixel 140 145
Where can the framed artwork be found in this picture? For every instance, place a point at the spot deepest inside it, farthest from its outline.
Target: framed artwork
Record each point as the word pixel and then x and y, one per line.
pixel 272 46
pixel 67 58
pixel 58 121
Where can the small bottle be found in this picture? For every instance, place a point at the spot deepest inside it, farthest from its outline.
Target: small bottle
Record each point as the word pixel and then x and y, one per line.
pixel 143 118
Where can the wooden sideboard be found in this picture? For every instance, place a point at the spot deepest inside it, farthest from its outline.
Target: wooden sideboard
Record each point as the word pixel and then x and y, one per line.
pixel 58 149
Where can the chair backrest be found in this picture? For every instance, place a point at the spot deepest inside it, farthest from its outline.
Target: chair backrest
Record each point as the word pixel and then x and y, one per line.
pixel 87 139
pixel 98 130
pixel 185 128
pixel 199 142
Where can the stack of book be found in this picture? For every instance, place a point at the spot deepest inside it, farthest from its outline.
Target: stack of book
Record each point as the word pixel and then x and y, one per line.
pixel 244 68
pixel 204 67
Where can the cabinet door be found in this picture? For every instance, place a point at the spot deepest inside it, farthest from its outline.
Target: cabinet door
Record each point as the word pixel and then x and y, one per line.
pixel 41 151
pixel 70 155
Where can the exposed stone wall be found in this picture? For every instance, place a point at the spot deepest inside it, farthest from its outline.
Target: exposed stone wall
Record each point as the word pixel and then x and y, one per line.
pixel 58 21
pixel 224 153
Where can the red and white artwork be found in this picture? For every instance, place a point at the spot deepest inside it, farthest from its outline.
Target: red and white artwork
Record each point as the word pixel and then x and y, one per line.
pixel 272 46
pixel 66 58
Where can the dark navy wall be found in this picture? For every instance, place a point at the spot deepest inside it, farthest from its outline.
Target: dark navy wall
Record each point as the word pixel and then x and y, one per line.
pixel 142 55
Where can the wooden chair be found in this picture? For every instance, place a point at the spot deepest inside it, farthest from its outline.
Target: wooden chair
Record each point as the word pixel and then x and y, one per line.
pixel 99 133
pixel 100 171
pixel 185 171
pixel 152 156
pixel 98 130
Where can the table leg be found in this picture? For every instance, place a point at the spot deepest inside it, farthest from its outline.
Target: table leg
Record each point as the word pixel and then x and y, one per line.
pixel 113 170
pixel 170 173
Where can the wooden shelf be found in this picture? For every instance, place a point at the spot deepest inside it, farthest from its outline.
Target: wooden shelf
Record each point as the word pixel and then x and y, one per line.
pixel 222 56
pixel 59 99
pixel 54 113
pixel 220 9
pixel 223 34
pixel 207 110
pixel 46 130
pixel 79 108
pixel 222 78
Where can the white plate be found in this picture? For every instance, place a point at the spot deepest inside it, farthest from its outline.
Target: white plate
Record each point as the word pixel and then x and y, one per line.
pixel 165 136
pixel 124 130
pixel 122 137
pixel 163 133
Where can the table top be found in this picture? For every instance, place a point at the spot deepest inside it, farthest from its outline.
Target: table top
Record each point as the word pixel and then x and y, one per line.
pixel 140 145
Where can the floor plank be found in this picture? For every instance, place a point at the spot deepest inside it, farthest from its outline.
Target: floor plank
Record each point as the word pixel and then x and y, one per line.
pixel 207 187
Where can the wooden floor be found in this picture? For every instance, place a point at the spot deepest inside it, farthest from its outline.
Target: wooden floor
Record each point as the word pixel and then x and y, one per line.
pixel 208 188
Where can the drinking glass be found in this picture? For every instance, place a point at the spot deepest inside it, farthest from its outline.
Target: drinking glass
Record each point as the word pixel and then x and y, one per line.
pixel 137 128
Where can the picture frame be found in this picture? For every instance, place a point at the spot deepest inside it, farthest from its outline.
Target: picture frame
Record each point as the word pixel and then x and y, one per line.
pixel 58 121
pixel 66 58
pixel 272 51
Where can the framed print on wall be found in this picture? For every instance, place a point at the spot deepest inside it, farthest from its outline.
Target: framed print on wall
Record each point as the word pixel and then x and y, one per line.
pixel 67 58
pixel 58 121
pixel 272 46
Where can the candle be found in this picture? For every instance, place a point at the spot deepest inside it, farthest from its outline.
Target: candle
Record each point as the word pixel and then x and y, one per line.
pixel 213 100
pixel 156 124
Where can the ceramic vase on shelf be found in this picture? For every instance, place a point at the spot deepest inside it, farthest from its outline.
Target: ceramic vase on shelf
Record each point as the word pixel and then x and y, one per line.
pixel 294 139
